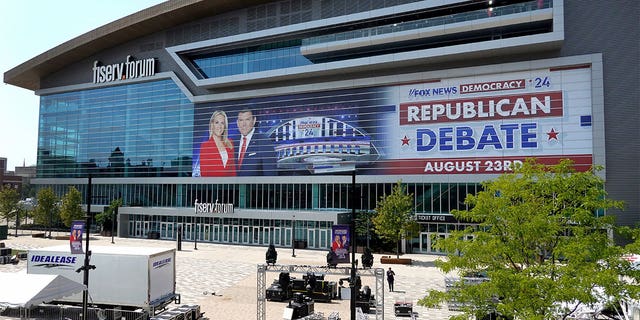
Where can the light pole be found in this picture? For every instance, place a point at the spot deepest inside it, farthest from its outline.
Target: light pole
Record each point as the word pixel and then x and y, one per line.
pixel 17 212
pixel 195 241
pixel 50 221
pixel 352 231
pixel 113 221
pixel 293 237
pixel 87 253
pixel 368 229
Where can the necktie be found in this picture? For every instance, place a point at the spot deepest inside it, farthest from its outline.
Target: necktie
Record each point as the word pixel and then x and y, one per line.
pixel 243 148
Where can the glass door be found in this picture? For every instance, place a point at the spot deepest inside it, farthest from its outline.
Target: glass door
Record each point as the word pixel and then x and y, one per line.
pixel 198 231
pixel 225 234
pixel 245 235
pixel 311 238
pixel 266 236
pixel 287 237
pixel 235 234
pixel 207 232
pixel 179 227
pixel 323 236
pixel 187 231
pixel 277 237
pixel 433 239
pixel 132 229
pixel 146 228
pixel 138 229
pixel 166 230
pixel 424 242
pixel 216 233
pixel 255 239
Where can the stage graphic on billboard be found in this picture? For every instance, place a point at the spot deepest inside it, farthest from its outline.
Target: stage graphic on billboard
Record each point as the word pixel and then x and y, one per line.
pixel 466 125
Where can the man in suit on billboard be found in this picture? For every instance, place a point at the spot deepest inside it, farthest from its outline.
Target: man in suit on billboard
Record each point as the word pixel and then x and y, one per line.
pixel 256 153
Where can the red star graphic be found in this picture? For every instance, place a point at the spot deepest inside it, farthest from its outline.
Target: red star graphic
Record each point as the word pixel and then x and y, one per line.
pixel 553 134
pixel 405 141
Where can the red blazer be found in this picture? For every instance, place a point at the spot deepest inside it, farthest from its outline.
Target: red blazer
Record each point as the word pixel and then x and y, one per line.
pixel 211 161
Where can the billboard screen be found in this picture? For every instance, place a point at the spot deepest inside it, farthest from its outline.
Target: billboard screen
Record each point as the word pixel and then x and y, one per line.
pixel 479 124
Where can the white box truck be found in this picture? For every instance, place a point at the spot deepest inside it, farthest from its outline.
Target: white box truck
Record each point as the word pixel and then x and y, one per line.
pixel 128 277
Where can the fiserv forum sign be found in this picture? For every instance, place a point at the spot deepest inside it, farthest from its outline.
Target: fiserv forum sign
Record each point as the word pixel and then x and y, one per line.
pixel 129 69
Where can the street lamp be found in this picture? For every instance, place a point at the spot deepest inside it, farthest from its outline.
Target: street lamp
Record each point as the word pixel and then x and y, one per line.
pixel 352 231
pixel 293 237
pixel 50 221
pixel 113 221
pixel 195 241
pixel 368 229
pixel 17 212
pixel 87 253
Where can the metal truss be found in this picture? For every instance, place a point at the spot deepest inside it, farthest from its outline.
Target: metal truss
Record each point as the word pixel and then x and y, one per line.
pixel 378 273
pixel 262 293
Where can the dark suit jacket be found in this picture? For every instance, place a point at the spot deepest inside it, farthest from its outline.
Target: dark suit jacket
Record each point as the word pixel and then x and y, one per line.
pixel 259 158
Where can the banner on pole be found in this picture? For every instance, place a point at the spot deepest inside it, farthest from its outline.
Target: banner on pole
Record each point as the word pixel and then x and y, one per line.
pixel 75 239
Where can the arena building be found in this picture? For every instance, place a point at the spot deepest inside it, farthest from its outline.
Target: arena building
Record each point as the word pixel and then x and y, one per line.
pixel 242 121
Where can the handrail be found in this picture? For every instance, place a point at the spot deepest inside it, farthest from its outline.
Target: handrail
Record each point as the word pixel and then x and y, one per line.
pixel 430 22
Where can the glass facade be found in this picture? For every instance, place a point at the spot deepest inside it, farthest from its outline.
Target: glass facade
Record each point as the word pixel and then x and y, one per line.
pixel 142 129
pixel 148 130
pixel 287 54
pixel 430 22
pixel 266 57
pixel 262 229
pixel 430 198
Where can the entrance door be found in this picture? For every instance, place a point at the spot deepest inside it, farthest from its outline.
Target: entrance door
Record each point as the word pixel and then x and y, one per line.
pixel 245 235
pixel 216 233
pixel 266 236
pixel 428 241
pixel 207 232
pixel 225 234
pixel 287 237
pixel 235 236
pixel 166 230
pixel 197 231
pixel 147 228
pixel 312 241
pixel 255 236
pixel 277 236
pixel 138 229
pixel 179 227
pixel 424 242
pixel 323 237
pixel 187 231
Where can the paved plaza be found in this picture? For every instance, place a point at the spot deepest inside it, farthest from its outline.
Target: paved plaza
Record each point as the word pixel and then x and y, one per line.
pixel 222 279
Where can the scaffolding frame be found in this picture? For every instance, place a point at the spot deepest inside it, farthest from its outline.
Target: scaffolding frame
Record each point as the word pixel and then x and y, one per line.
pixel 262 270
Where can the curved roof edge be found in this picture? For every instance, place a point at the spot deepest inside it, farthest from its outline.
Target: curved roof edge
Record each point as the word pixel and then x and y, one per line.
pixel 154 19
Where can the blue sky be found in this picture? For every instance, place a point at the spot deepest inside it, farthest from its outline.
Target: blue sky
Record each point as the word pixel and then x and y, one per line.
pixel 27 29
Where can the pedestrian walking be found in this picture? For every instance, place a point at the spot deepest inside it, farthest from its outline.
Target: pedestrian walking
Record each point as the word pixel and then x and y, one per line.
pixel 390 278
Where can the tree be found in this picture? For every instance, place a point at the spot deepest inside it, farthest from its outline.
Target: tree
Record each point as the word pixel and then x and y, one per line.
pixel 46 212
pixel 394 218
pixel 106 218
pixel 71 208
pixel 363 225
pixel 9 199
pixel 543 243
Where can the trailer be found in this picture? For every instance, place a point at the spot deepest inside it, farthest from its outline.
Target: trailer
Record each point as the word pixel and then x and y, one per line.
pixel 124 277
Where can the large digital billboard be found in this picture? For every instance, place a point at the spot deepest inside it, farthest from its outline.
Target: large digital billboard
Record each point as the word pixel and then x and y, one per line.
pixel 479 124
